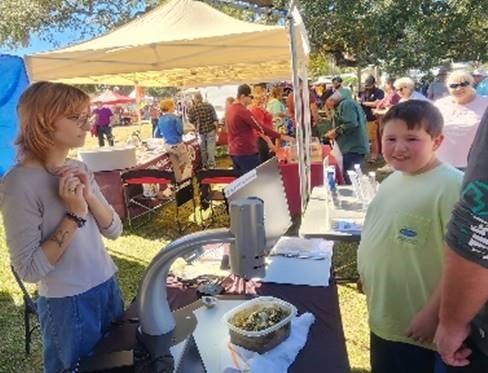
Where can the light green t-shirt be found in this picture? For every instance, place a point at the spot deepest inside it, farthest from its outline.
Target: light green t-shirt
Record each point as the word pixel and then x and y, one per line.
pixel 401 251
pixel 275 107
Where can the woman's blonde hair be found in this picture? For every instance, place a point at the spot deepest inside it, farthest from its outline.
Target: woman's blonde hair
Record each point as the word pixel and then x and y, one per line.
pixel 166 104
pixel 459 77
pixel 404 82
pixel 38 109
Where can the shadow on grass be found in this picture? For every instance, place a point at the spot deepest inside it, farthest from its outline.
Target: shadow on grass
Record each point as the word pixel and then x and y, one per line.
pixel 129 275
pixel 345 261
pixel 12 348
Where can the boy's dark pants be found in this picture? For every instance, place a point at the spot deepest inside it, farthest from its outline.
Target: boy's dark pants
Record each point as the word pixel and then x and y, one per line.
pixel 396 357
pixel 478 362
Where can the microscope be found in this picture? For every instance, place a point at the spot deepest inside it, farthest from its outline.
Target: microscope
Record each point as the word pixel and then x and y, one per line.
pixel 247 240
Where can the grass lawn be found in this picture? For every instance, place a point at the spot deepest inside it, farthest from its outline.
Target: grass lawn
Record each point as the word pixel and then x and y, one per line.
pixel 132 252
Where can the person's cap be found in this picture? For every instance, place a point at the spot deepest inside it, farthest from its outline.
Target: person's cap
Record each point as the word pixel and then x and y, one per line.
pixel 337 79
pixel 479 72
pixel 370 81
pixel 243 89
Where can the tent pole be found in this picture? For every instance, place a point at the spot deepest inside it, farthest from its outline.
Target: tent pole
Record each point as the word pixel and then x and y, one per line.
pixel 302 111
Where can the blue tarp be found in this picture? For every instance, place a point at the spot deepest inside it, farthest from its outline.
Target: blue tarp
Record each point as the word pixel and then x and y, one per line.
pixel 13 81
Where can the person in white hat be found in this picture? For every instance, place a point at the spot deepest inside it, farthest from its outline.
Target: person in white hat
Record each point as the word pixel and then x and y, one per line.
pixel 480 81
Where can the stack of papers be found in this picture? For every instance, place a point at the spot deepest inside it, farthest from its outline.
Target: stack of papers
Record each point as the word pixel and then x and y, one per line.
pixel 303 248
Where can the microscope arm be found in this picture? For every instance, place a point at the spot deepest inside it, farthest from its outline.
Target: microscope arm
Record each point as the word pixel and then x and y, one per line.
pixel 152 303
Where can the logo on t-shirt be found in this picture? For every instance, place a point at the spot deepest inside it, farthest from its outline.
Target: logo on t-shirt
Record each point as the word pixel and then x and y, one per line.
pixel 408 235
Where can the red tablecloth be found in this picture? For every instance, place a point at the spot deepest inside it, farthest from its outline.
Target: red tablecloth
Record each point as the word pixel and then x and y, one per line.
pixel 289 174
pixel 111 186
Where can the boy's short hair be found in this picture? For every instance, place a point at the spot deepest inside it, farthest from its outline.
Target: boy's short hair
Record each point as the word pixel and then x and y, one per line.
pixel 39 107
pixel 417 114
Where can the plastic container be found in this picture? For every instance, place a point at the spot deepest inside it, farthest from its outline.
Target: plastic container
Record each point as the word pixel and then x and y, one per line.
pixel 262 340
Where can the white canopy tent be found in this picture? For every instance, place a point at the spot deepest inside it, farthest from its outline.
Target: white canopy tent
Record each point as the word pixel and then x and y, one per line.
pixel 182 43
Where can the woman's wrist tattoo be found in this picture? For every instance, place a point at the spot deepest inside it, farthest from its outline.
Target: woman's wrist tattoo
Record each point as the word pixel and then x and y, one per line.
pixel 59 237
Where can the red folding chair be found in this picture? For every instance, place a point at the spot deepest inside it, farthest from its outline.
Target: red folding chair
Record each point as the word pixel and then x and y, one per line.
pixel 139 204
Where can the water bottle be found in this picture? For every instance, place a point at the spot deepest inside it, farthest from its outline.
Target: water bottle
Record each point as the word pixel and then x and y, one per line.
pixel 331 178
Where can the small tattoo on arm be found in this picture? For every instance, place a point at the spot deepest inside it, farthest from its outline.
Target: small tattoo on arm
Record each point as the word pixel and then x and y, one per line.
pixel 59 237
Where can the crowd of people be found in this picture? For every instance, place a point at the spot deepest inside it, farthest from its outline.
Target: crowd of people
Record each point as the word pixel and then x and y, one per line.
pixel 347 118
pixel 423 294
pixel 423 255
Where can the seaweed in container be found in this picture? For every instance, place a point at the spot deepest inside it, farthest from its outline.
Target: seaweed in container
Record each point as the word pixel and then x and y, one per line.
pixel 259 318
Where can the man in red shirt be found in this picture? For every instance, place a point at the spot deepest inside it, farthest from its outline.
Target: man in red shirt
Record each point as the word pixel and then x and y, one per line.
pixel 242 128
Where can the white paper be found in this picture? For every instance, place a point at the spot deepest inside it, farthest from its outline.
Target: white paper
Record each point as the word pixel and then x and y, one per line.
pixel 211 330
pixel 292 271
pixel 239 183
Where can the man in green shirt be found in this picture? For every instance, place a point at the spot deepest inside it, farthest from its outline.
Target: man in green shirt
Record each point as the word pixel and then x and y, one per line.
pixel 349 131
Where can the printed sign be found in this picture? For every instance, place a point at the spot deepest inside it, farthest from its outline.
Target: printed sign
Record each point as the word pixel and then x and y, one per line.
pixel 239 183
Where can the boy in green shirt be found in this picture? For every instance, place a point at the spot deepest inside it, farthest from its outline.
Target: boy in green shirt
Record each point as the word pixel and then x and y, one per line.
pixel 401 250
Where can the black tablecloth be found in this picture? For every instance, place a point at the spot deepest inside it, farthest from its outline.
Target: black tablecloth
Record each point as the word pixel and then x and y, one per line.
pixel 325 350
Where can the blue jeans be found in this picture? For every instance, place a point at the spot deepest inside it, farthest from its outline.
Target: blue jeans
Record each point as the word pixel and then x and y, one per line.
pixel 397 357
pixel 348 162
pixel 245 163
pixel 207 148
pixel 71 326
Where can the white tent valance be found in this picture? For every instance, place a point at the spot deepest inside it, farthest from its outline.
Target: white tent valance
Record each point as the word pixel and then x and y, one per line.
pixel 181 43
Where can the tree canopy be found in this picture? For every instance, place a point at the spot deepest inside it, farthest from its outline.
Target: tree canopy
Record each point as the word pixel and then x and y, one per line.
pixel 398 35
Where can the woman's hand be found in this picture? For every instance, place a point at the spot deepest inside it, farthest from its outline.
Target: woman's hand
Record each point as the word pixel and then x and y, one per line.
pixel 71 193
pixel 331 134
pixel 80 174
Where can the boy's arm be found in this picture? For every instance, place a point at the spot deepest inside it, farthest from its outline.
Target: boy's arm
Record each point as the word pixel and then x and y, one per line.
pixel 424 324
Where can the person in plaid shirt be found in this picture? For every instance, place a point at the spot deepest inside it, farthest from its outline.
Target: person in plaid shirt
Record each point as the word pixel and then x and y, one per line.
pixel 203 116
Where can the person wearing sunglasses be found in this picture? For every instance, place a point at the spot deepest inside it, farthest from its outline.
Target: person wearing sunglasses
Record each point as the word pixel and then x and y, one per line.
pixel 405 88
pixel 462 111
pixel 54 216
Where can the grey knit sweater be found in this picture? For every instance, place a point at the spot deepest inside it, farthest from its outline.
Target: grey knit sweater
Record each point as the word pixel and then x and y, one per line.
pixel 32 210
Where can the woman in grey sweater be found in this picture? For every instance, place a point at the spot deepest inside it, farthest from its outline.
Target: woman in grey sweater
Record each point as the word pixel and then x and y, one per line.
pixel 54 216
